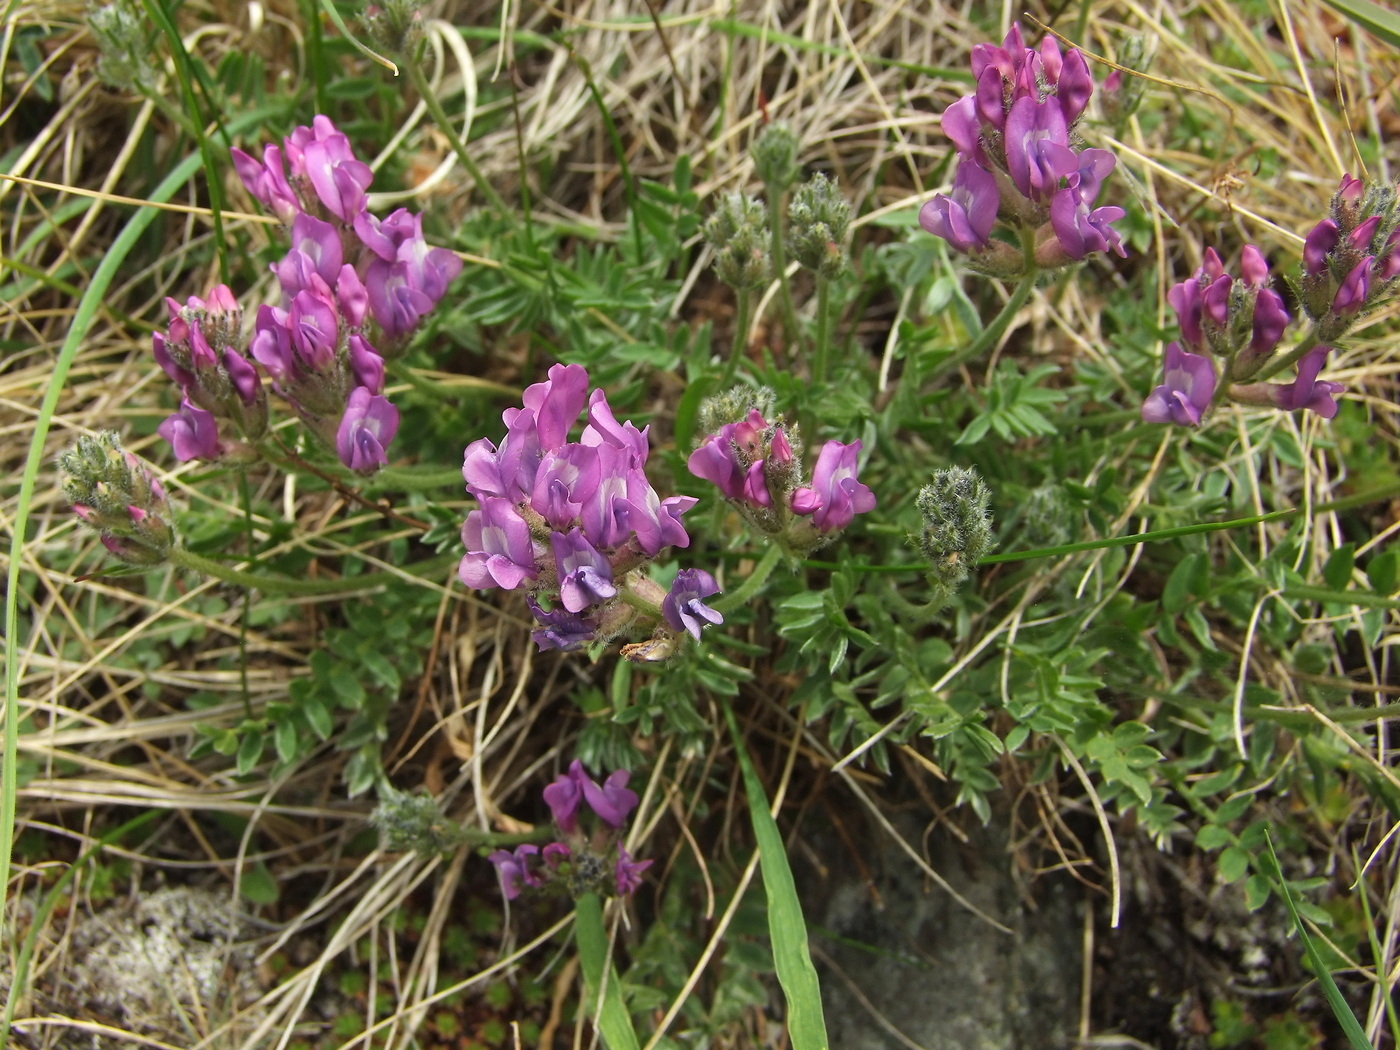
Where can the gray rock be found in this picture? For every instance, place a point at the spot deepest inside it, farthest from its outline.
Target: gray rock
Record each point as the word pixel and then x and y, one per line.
pixel 941 976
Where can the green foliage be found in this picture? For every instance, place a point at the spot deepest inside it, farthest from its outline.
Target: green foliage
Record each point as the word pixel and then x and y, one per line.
pixel 1128 661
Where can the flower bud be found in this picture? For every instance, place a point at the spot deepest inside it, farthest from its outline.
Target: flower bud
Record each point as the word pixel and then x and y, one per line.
pixel 957 525
pixel 774 155
pixel 818 221
pixel 738 232
pixel 126 60
pixel 395 27
pixel 116 496
pixel 413 822
pixel 1121 93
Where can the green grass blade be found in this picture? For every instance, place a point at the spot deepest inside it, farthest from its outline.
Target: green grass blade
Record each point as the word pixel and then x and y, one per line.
pixel 46 906
pixel 1387 999
pixel 1371 16
pixel 184 74
pixel 614 1022
pixel 82 317
pixel 786 926
pixel 1355 1035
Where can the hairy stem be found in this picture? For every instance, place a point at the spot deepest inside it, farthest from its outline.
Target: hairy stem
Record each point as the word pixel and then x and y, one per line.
pixel 823 330
pixel 750 588
pixel 187 559
pixel 779 252
pixel 741 337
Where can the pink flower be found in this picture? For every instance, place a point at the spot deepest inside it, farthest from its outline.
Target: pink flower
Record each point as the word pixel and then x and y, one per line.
pixel 192 432
pixel 965 217
pixel 368 425
pixel 835 497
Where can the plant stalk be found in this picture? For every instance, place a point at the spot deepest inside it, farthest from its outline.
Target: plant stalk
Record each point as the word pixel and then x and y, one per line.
pixel 425 91
pixel 750 588
pixel 741 337
pixel 187 559
pixel 823 330
pixel 1000 323
pixel 779 253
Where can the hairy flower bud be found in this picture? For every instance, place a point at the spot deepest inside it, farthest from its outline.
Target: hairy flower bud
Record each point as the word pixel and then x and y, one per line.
pixel 1122 93
pixel 957 525
pixel 394 26
pixel 126 60
pixel 738 232
pixel 818 221
pixel 116 496
pixel 413 822
pixel 774 155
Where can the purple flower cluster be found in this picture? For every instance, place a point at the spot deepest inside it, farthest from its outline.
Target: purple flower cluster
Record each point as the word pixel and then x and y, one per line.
pixel 574 523
pixel 345 270
pixel 1240 320
pixel 315 174
pixel 581 861
pixel 1351 260
pixel 1019 159
pixel 752 463
pixel 201 351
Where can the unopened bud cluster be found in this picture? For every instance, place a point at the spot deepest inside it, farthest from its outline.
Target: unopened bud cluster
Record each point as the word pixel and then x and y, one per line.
pixel 395 27
pixel 114 494
pixel 751 462
pixel 125 58
pixel 774 154
pixel 1121 93
pixel 589 857
pixel 414 822
pixel 956 527
pixel 738 233
pixel 818 220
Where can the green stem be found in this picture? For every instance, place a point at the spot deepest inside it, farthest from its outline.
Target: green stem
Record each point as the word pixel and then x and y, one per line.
pixel 425 91
pixel 187 559
pixel 747 590
pixel 994 331
pixel 1345 503
pixel 779 253
pixel 614 1023
pixel 823 330
pixel 245 501
pixel 410 479
pixel 741 337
